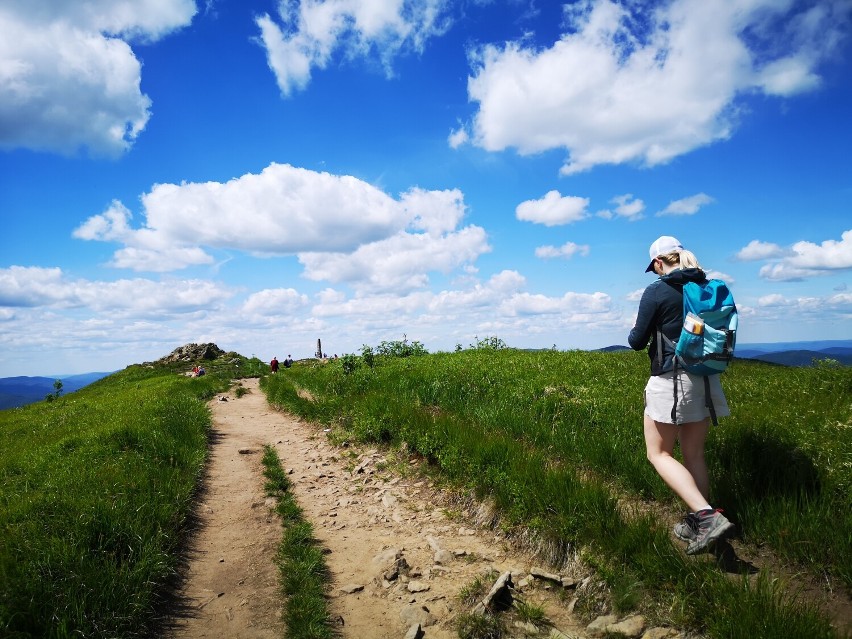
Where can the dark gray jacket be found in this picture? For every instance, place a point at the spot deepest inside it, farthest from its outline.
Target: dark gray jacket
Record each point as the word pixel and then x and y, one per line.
pixel 661 308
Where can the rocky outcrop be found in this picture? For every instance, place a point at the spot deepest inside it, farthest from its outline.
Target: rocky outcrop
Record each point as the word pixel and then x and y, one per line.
pixel 192 353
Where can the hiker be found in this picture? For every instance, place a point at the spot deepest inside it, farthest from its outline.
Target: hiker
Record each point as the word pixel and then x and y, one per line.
pixel 274 364
pixel 288 362
pixel 675 407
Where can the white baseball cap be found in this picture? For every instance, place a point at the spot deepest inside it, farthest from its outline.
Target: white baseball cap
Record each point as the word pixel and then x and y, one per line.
pixel 663 245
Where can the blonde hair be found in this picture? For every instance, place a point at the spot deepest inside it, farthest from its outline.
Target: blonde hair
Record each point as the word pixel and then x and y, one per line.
pixel 681 259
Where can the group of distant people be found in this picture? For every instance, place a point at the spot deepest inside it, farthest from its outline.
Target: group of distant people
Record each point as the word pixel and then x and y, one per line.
pixel 198 371
pixel 274 365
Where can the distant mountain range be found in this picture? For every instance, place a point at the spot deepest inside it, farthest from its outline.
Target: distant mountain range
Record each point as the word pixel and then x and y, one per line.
pixel 804 356
pixel 788 353
pixel 20 391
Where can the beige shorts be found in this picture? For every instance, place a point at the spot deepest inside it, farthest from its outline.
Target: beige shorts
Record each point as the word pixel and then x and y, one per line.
pixel 659 397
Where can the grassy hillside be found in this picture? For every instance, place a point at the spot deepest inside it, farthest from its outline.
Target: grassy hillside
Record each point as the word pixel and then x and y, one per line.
pixel 555 439
pixel 96 492
pixel 97 486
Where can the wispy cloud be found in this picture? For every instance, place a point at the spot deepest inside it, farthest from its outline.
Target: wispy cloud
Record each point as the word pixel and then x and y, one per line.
pixel 304 35
pixel 626 206
pixel 567 250
pixel 50 288
pixel 686 206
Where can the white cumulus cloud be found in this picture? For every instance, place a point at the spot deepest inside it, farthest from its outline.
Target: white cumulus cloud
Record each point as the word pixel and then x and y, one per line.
pixel 68 77
pixel 757 250
pixel 803 259
pixel 828 255
pixel 341 228
pixel 277 302
pixel 618 87
pixel 401 262
pixel 553 209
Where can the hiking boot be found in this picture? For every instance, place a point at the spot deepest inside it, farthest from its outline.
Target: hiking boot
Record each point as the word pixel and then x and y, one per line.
pixel 712 526
pixel 687 528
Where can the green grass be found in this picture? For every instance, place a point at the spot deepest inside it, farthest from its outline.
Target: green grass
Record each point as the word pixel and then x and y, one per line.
pixel 473 592
pixel 556 439
pixel 530 613
pixel 97 488
pixel 97 485
pixel 486 626
pixel 304 575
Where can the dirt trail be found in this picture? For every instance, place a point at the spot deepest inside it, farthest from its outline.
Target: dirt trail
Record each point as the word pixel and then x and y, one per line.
pixel 231 586
pixel 359 511
pixel 361 508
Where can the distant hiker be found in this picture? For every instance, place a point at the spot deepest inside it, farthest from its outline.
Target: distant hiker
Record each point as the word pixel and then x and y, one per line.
pixel 200 372
pixel 675 407
pixel 274 364
pixel 288 362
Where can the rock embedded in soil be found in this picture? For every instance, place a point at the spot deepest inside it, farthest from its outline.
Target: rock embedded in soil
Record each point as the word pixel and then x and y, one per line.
pixel 414 632
pixel 350 589
pixel 415 614
pixel 417 586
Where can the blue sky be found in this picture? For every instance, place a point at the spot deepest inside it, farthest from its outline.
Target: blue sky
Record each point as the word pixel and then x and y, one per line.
pixel 262 174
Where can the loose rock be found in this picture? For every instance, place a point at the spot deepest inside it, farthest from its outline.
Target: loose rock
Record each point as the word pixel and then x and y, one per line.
pixel 351 588
pixel 414 614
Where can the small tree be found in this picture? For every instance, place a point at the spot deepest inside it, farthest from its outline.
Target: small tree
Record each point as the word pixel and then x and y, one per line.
pixel 492 343
pixel 57 391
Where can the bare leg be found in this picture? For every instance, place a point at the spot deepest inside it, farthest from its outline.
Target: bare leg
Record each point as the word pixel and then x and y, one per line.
pixel 659 442
pixel 692 437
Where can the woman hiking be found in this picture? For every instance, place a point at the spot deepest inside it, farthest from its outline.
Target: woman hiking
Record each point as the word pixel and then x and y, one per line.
pixel 675 409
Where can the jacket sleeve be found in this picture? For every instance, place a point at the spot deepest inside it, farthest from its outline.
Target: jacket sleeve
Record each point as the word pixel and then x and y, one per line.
pixel 643 329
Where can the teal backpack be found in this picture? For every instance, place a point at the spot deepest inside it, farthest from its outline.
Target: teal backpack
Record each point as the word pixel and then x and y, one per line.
pixel 709 334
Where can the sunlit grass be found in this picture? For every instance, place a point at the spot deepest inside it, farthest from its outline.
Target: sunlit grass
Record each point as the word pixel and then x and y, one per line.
pixel 97 489
pixel 555 440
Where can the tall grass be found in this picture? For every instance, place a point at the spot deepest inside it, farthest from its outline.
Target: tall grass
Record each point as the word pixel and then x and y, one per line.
pixel 555 439
pixel 96 493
